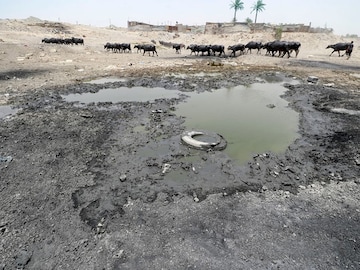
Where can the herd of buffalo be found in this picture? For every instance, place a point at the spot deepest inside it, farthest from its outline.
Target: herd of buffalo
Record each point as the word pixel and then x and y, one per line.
pixel 273 48
pixel 69 41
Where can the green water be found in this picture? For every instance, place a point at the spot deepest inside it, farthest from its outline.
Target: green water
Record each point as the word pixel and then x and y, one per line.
pixel 242 115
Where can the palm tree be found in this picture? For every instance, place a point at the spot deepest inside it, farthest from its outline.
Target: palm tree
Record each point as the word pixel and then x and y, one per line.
pixel 258 6
pixel 236 5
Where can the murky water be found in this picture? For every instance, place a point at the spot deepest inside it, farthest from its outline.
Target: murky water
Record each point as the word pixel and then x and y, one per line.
pixel 253 119
pixel 6 111
pixel 123 94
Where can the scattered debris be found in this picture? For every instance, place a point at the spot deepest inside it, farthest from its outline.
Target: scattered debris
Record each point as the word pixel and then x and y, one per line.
pixel 215 64
pixel 218 142
pixel 6 159
pixel 122 177
pixel 312 79
pixel 166 167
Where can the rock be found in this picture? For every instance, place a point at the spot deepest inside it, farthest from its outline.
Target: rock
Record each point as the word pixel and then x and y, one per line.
pixel 312 79
pixel 122 177
pixel 166 168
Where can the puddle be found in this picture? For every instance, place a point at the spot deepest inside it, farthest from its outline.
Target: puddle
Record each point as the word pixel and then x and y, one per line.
pixel 6 111
pixel 107 80
pixel 124 94
pixel 253 119
pixel 199 74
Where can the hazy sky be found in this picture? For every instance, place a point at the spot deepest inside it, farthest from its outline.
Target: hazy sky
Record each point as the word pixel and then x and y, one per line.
pixel 341 15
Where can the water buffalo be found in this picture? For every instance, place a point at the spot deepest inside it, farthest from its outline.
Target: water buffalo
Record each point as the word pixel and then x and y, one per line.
pixel 277 46
pixel 114 47
pixel 139 47
pixel 125 47
pixel 192 48
pixel 77 41
pixel 67 41
pixel 349 49
pixel 53 40
pixel 147 48
pixel 339 47
pixel 178 47
pixel 253 45
pixel 217 48
pixel 202 49
pixel 294 46
pixel 235 48
pixel 196 49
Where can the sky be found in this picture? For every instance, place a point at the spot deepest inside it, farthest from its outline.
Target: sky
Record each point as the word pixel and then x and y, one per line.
pixel 343 16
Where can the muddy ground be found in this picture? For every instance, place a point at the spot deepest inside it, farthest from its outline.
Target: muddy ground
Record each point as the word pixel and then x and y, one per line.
pixel 78 192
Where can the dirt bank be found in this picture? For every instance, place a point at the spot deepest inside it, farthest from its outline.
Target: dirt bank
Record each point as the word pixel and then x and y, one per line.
pixel 78 192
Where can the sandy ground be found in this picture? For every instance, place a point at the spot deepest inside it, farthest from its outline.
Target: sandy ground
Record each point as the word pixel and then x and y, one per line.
pixel 76 193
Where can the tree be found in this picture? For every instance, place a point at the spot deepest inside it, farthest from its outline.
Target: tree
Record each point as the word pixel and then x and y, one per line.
pixel 258 6
pixel 236 5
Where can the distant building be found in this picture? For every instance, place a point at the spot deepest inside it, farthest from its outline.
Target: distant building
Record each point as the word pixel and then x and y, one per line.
pixel 226 28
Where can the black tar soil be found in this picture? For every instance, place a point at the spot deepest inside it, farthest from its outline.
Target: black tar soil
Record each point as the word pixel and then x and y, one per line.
pixel 86 187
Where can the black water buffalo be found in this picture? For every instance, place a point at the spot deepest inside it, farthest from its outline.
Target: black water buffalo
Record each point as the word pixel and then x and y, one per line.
pixel 277 46
pixel 110 46
pixel 114 47
pixel 147 48
pixel 192 48
pixel 217 48
pixel 77 41
pixel 235 48
pixel 252 45
pixel 203 49
pixel 178 47
pixel 67 41
pixel 339 47
pixel 139 47
pixel 294 46
pixel 349 49
pixel 196 49
pixel 53 40
pixel 118 47
pixel 125 47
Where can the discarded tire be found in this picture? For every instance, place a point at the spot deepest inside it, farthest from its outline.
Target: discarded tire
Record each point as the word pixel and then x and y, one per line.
pixel 213 140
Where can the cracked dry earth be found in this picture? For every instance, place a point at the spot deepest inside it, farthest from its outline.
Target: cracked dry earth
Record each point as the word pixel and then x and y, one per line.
pixel 83 186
